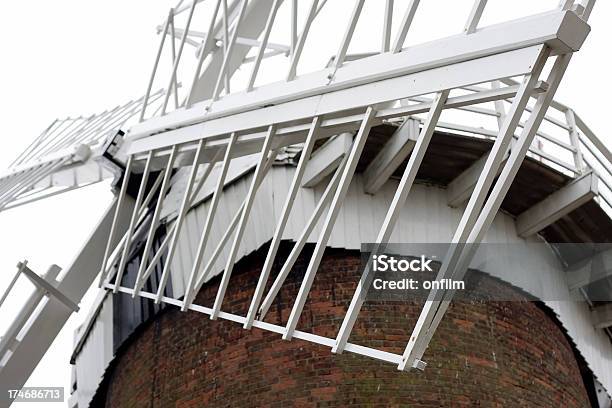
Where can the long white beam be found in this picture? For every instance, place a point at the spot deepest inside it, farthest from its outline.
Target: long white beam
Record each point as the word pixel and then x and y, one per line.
pixel 282 223
pixel 557 205
pixel 328 225
pixel 481 200
pixel 513 63
pixel 289 134
pixel 563 31
pixel 398 202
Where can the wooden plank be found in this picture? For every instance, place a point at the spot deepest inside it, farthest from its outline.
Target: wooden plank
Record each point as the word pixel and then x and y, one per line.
pixel 553 28
pixel 391 156
pixel 557 205
pixel 325 159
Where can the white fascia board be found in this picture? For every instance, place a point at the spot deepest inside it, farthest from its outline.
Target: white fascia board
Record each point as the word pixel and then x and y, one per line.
pixel 557 205
pixel 489 68
pixel 563 31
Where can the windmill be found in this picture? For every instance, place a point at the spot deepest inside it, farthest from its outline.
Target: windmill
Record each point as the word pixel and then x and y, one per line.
pixel 177 155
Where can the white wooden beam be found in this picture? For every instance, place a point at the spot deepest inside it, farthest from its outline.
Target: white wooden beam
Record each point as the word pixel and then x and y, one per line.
pixel 475 15
pixel 588 9
pixel 602 316
pixel 204 237
pixel 557 205
pixel 177 60
pixel 328 225
pixel 9 337
pixel 405 25
pixel 460 189
pixel 297 50
pixel 593 269
pixel 301 241
pixel 563 31
pixel 575 140
pixel 601 146
pixel 206 272
pixel 184 209
pixel 250 199
pixel 135 215
pixel 488 68
pixel 115 223
pixel 280 226
pixel 252 25
pixel 348 35
pixel 290 134
pixel 48 287
pixel 483 206
pixel 326 159
pixel 205 49
pixel 388 21
pixel 155 221
pixel 264 44
pixel 225 70
pixel 398 202
pixel 389 158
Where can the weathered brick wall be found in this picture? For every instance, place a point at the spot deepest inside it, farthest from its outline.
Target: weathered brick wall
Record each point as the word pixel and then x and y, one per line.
pixel 488 354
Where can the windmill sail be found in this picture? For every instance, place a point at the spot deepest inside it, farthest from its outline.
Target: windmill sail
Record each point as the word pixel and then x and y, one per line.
pixel 71 153
pixel 203 171
pixel 354 95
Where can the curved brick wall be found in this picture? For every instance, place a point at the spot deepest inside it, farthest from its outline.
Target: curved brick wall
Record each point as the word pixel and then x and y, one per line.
pixel 489 354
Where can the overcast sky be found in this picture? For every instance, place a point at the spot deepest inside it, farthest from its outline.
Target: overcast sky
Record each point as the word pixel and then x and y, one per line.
pixel 63 58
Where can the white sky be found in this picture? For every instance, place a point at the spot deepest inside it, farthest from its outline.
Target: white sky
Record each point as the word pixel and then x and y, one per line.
pixel 63 58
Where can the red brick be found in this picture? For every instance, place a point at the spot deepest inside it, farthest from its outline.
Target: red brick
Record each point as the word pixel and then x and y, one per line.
pixel 485 354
